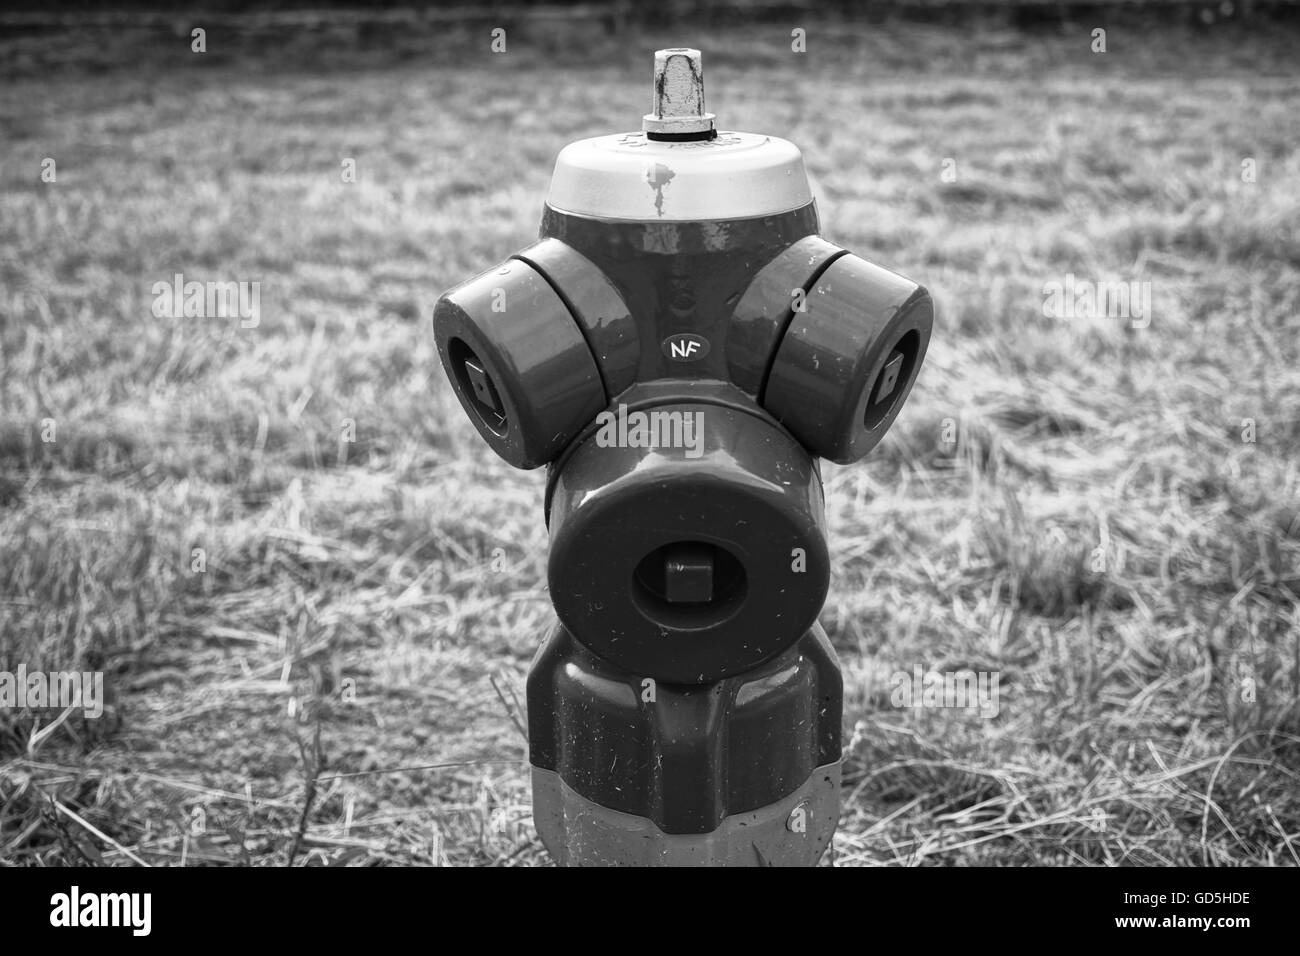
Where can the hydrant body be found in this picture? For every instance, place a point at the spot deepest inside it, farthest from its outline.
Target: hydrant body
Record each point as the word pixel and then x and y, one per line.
pixel 680 347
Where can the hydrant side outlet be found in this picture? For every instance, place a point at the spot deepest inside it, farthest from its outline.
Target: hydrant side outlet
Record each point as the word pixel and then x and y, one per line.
pixel 679 348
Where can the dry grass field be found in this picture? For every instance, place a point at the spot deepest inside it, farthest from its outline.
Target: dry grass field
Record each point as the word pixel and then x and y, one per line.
pixel 335 677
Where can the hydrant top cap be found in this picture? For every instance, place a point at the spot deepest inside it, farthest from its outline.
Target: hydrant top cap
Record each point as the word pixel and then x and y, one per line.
pixel 679 167
pixel 629 176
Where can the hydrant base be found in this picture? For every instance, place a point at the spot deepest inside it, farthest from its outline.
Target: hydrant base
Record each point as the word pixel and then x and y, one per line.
pixel 793 831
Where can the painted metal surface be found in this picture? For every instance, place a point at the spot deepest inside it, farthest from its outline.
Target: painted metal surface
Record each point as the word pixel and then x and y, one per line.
pixel 684 756
pixel 630 176
pixel 737 484
pixel 680 347
pixel 793 831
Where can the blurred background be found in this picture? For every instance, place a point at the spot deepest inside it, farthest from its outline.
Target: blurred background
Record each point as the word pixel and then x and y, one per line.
pixel 314 593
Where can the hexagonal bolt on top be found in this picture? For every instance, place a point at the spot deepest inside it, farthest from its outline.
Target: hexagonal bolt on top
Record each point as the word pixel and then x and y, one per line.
pixel 678 109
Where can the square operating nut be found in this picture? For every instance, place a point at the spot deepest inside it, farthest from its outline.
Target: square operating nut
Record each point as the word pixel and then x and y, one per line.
pixel 888 380
pixel 484 391
pixel 688 573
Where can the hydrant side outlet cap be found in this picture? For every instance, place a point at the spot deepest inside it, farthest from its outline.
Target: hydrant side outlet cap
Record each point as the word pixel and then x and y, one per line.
pixel 630 176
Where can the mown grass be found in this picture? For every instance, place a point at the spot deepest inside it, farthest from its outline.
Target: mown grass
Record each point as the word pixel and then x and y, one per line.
pixel 1069 503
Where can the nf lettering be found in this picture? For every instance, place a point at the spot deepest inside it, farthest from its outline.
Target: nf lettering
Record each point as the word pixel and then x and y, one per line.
pixel 685 347
pixel 102 909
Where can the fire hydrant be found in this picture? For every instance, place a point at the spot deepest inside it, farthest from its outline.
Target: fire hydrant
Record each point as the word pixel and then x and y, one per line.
pixel 679 348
